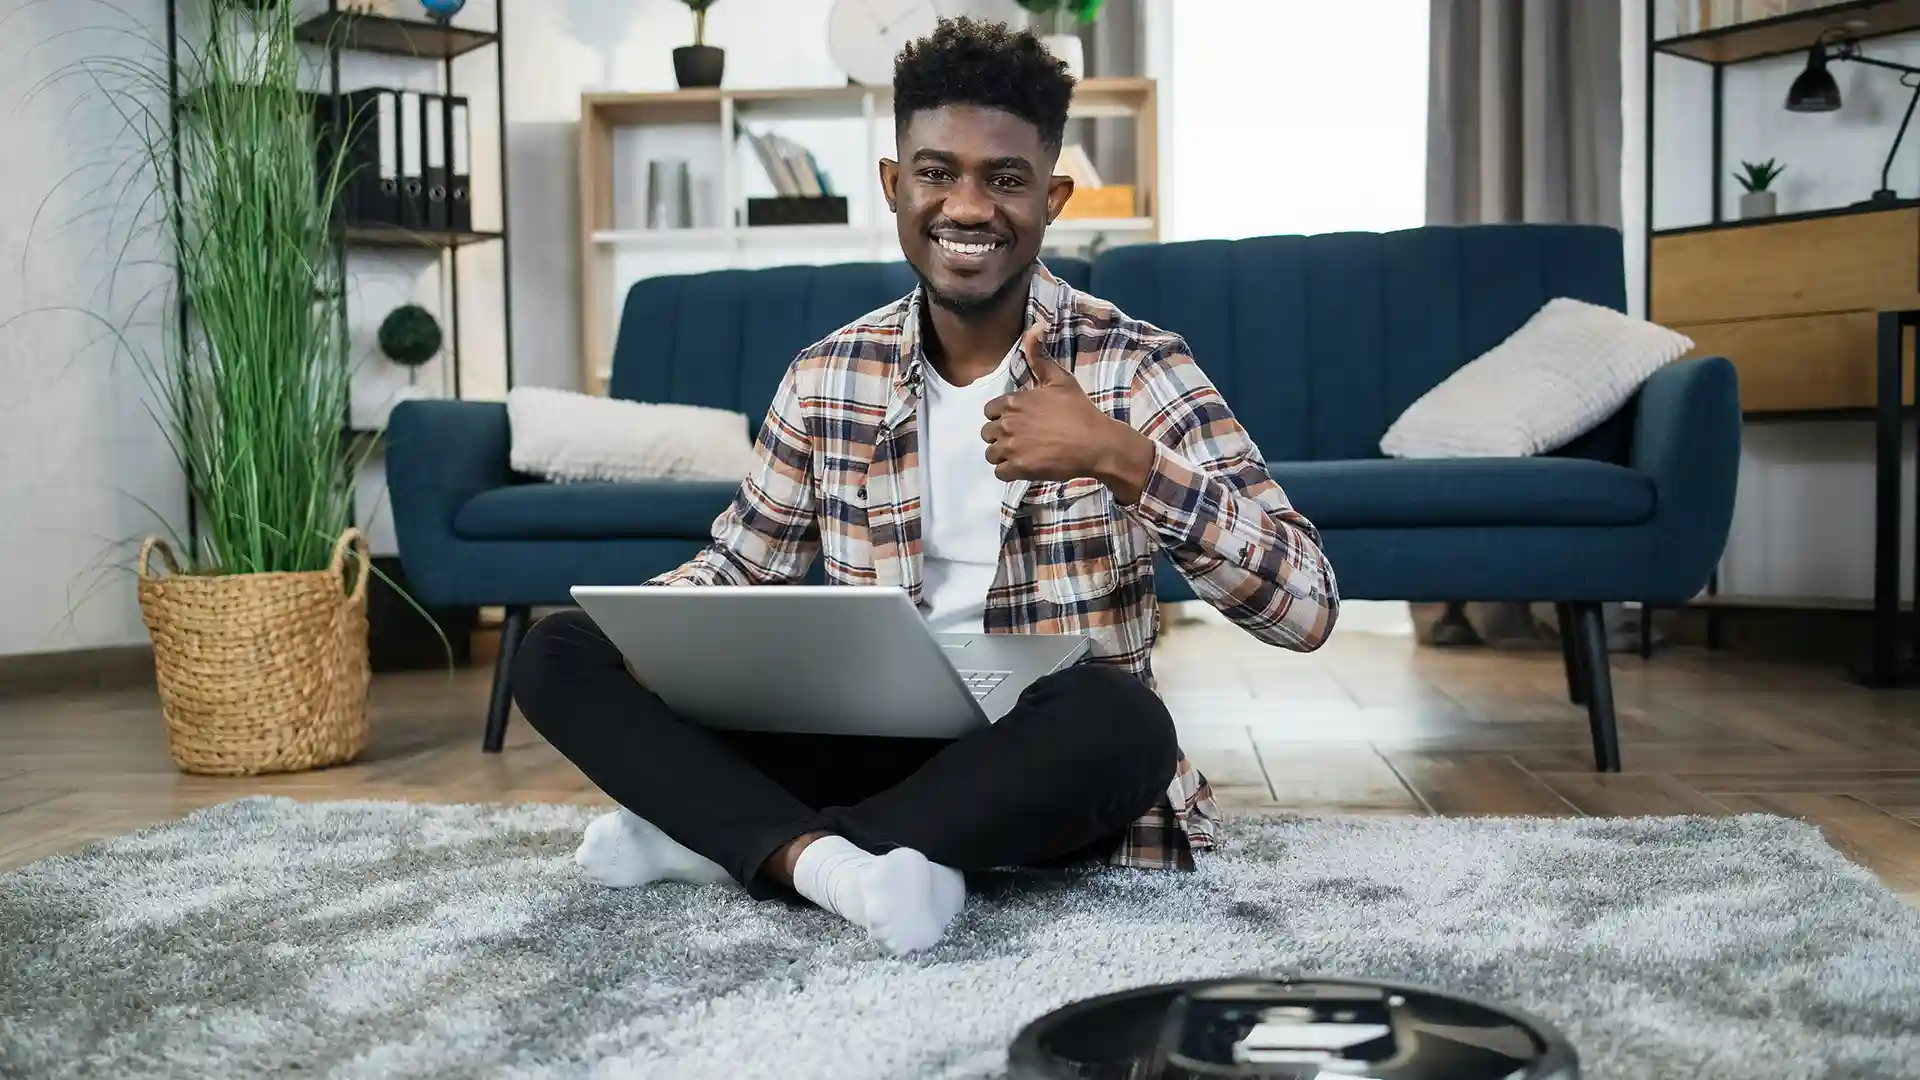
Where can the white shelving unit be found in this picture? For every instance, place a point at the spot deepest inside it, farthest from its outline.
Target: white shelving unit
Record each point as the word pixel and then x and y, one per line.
pixel 848 129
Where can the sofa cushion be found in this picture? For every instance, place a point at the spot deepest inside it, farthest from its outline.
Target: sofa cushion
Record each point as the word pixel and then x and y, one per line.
pixel 1384 493
pixel 567 436
pixel 1572 366
pixel 595 510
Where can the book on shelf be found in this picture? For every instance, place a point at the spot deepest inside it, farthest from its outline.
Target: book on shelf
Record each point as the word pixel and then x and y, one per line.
pixel 1092 196
pixel 792 168
pixel 1075 163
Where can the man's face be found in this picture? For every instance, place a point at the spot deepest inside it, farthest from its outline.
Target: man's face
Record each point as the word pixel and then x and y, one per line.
pixel 972 192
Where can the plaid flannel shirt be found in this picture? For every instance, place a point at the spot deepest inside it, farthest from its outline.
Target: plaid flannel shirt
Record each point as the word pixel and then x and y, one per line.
pixel 838 478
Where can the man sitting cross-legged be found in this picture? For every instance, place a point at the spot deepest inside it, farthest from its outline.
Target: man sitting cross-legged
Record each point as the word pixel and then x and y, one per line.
pixel 1011 452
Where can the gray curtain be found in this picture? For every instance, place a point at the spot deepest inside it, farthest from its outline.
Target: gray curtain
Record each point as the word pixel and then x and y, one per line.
pixel 1523 115
pixel 1523 124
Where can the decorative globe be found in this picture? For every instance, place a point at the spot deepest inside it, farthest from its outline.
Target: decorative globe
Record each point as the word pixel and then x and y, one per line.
pixel 442 10
pixel 410 335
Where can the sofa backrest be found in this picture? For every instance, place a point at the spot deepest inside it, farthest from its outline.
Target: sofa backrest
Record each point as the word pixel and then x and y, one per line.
pixel 1319 342
pixel 724 338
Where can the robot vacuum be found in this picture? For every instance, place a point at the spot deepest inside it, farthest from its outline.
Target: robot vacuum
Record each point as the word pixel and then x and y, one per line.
pixel 1305 1028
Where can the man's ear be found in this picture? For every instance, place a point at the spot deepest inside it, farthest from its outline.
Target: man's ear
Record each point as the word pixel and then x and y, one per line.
pixel 1059 190
pixel 890 183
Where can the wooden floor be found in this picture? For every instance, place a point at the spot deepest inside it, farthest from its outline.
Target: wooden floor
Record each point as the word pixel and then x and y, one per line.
pixel 1370 724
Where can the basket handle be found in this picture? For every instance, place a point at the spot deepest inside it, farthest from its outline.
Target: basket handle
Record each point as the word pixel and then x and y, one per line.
pixel 147 548
pixel 358 541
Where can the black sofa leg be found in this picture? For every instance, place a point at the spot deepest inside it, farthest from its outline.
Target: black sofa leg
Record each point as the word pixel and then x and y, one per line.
pixel 1594 666
pixel 501 704
pixel 1570 655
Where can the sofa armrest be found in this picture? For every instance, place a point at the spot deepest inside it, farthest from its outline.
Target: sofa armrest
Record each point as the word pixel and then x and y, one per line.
pixel 439 455
pixel 1686 436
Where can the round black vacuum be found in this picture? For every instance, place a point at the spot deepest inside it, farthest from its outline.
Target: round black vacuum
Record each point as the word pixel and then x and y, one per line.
pixel 1306 1028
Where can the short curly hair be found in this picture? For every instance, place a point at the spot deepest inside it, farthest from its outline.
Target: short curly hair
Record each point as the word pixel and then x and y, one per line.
pixel 967 62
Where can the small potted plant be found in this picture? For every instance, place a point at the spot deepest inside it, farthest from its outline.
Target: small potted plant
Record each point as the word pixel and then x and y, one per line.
pixel 1758 178
pixel 1062 42
pixel 698 64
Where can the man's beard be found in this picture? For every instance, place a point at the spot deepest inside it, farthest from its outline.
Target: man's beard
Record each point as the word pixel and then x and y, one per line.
pixel 964 306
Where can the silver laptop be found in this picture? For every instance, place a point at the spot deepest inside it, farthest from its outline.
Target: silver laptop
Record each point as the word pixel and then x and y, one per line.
pixel 820 659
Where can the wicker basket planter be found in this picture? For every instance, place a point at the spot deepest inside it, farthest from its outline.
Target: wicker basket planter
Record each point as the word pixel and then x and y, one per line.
pixel 260 673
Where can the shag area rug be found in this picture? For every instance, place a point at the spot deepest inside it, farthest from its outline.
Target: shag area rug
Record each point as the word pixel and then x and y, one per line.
pixel 385 939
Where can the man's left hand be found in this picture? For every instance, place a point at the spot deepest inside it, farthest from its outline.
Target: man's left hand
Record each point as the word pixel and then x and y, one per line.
pixel 1053 431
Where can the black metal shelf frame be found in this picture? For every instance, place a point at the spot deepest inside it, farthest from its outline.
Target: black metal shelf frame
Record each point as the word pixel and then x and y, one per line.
pixel 339 31
pixel 1884 665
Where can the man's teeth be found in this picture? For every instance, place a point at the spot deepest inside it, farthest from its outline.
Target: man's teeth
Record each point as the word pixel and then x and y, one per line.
pixel 959 248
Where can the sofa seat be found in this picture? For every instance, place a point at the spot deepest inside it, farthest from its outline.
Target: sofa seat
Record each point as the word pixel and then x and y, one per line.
pixel 1362 494
pixel 594 510
pixel 1382 493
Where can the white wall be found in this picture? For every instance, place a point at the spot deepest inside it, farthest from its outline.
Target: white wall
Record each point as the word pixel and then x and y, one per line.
pixel 1271 127
pixel 1803 517
pixel 83 470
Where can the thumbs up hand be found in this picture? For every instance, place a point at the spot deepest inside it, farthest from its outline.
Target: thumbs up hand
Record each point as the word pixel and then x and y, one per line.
pixel 1053 431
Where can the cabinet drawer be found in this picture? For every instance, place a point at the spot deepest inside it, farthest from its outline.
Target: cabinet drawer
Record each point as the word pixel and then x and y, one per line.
pixel 1852 262
pixel 1805 362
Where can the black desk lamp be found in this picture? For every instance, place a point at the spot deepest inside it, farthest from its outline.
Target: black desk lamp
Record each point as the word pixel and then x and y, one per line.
pixel 1815 91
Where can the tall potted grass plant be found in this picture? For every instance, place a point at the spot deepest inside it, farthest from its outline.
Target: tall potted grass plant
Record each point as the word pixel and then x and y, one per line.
pixel 259 627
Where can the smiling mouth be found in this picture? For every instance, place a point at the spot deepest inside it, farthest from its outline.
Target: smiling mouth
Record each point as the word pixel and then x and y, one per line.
pixel 968 249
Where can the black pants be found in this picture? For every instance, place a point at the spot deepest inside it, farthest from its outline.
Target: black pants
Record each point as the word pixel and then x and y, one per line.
pixel 1058 779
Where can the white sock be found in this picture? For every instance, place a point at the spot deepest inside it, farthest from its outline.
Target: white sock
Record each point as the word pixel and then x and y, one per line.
pixel 900 898
pixel 622 850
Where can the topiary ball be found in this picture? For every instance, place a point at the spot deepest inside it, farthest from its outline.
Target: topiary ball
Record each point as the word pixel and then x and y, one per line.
pixel 410 335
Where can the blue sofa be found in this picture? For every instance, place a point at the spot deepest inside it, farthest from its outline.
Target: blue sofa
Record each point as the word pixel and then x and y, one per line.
pixel 1318 344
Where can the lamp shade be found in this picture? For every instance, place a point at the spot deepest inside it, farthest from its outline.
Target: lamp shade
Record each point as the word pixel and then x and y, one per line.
pixel 1814 90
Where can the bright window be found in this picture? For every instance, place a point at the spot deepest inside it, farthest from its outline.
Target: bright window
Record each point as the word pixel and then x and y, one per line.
pixel 1293 116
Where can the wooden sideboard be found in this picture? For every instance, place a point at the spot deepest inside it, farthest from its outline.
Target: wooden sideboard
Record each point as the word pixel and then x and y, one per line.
pixel 1792 301
pixel 1817 314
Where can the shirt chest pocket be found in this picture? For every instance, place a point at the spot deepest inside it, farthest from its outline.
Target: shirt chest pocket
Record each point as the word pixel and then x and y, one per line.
pixel 843 508
pixel 1074 538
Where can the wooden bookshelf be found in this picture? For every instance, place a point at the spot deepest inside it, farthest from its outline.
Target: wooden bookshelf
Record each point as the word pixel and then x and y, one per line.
pixel 729 242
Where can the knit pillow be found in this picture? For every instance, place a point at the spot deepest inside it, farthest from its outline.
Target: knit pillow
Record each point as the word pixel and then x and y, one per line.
pixel 1569 368
pixel 562 435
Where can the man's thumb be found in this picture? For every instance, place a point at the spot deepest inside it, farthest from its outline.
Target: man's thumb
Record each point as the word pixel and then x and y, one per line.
pixel 1046 372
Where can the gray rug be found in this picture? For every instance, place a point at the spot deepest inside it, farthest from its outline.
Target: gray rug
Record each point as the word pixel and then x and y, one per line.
pixel 375 939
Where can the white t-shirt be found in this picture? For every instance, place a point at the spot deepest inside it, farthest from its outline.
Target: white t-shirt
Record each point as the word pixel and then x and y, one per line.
pixel 959 500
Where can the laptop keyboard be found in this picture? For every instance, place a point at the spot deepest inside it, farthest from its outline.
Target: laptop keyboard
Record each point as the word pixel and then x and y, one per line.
pixel 981 683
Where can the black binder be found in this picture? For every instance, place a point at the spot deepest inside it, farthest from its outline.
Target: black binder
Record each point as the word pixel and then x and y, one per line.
pixel 370 164
pixel 350 141
pixel 384 190
pixel 413 200
pixel 459 166
pixel 435 145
